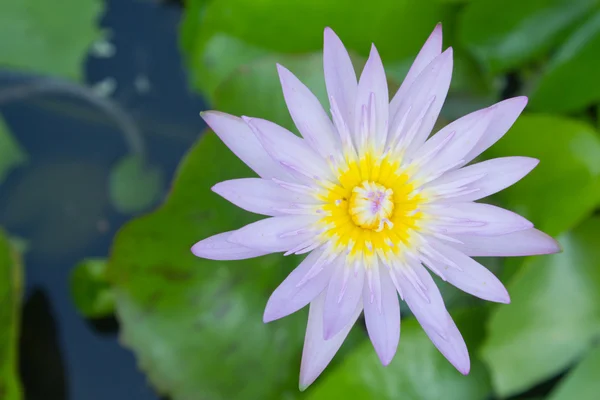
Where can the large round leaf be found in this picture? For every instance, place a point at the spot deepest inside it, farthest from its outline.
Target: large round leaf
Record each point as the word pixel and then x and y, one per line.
pixel 505 34
pixel 10 311
pixel 417 372
pixel 196 325
pixel 48 37
pixel 565 187
pixel 553 317
pixel 571 80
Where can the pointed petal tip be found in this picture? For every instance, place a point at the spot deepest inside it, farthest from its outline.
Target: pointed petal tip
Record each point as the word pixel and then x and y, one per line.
pixel 268 316
pixel 386 358
pixel 302 386
pixel 523 99
pixel 557 247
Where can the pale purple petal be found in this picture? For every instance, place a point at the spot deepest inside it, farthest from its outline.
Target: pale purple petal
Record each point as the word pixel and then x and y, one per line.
pixel 435 320
pixel 450 145
pixel 261 196
pixel 217 247
pixel 423 101
pixel 290 150
pixel 343 294
pixel 452 346
pixel 523 243
pixel 383 319
pixel 431 49
pixel 308 115
pixel 276 233
pixel 373 85
pixel 468 275
pixel 476 219
pixel 318 352
pixel 236 135
pixel 505 114
pixel 340 77
pixel 489 176
pixel 296 290
pixel 422 296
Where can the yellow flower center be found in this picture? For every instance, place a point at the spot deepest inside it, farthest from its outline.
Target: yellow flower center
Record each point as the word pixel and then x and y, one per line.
pixel 372 208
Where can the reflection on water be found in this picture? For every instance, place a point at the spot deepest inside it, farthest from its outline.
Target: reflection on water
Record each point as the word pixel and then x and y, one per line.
pixel 59 201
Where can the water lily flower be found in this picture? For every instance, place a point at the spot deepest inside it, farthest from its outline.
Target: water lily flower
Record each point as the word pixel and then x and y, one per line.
pixel 376 204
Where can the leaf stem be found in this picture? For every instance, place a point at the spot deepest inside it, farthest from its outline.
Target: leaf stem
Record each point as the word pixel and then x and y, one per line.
pixel 39 85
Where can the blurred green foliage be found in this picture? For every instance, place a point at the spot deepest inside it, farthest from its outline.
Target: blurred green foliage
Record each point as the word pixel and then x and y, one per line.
pixel 583 382
pixel 11 153
pixel 554 315
pixel 196 325
pixel 10 317
pixel 134 185
pixel 53 36
pixel 90 289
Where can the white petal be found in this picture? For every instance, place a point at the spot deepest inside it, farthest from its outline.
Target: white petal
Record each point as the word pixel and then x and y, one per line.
pixel 276 233
pixel 431 49
pixel 236 135
pixel 340 77
pixel 505 114
pixel 424 100
pixel 477 219
pixel 494 175
pixel 470 276
pixel 343 294
pixel 308 115
pixel 383 319
pixel 373 83
pixel 296 291
pixel 523 243
pixel 260 196
pixel 290 150
pixel 318 352
pixel 217 247
pixel 436 321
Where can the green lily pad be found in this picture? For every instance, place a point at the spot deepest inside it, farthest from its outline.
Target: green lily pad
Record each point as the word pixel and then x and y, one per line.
pixel 553 317
pixel 90 289
pixel 565 187
pixel 11 153
pixel 219 36
pixel 582 383
pixel 196 325
pixel 417 372
pixel 506 34
pixel 254 90
pixel 10 318
pixel 53 36
pixel 135 186
pixel 568 84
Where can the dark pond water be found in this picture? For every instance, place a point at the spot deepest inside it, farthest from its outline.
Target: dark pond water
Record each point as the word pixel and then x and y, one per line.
pixel 59 202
